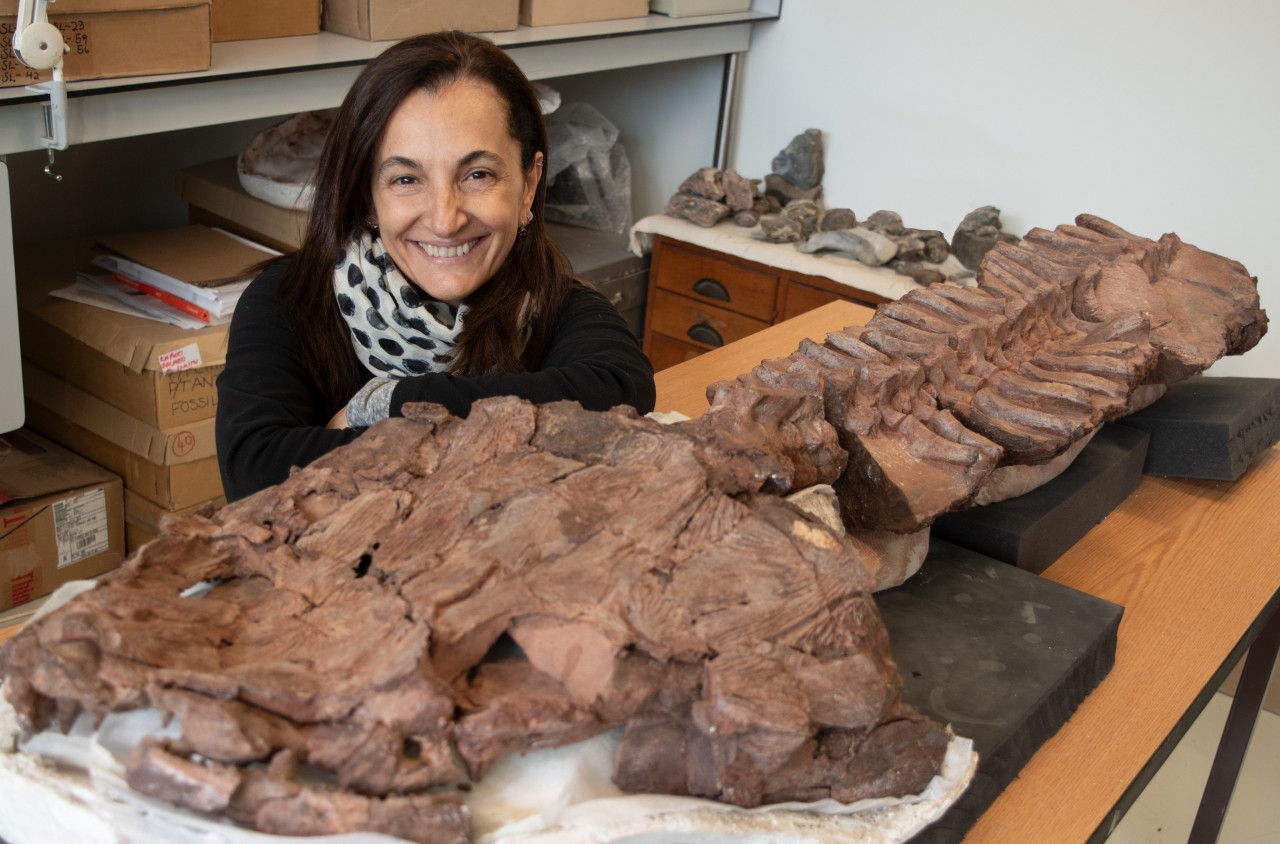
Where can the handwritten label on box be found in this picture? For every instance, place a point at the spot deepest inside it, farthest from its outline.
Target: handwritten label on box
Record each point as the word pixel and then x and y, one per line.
pixel 188 357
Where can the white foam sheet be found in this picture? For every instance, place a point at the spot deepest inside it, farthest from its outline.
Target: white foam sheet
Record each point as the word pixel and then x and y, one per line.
pixel 72 788
pixel 749 244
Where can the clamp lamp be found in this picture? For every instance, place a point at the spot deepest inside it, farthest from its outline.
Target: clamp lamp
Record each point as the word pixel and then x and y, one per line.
pixel 38 44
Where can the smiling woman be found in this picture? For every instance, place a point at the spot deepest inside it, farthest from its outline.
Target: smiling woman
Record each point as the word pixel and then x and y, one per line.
pixel 426 273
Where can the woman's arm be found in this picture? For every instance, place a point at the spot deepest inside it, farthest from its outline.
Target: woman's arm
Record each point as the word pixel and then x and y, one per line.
pixel 593 359
pixel 270 414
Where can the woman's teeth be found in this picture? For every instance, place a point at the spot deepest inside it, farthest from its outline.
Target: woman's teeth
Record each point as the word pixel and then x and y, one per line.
pixel 448 251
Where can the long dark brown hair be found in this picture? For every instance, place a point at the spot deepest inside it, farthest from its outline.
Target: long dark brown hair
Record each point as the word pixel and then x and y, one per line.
pixel 343 205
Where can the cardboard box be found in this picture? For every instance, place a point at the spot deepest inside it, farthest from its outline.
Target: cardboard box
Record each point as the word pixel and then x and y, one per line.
pixel 61 518
pixel 383 20
pixel 162 375
pixel 172 487
pixel 162 446
pixel 216 198
pixel 241 20
pixel 137 342
pixel 174 467
pixel 142 518
pixel 550 12
pixel 115 38
pixel 686 8
pixel 159 399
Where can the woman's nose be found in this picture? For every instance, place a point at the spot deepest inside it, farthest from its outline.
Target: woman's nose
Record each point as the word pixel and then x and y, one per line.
pixel 444 213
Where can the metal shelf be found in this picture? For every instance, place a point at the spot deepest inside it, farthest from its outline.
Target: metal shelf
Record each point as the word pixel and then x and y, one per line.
pixel 279 76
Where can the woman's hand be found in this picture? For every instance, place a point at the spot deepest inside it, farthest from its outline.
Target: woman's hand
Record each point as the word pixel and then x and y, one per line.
pixel 339 420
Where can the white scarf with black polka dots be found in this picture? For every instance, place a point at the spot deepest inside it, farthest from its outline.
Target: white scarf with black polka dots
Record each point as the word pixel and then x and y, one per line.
pixel 395 332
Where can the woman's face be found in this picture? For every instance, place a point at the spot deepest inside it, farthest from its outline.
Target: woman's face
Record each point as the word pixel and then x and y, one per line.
pixel 449 194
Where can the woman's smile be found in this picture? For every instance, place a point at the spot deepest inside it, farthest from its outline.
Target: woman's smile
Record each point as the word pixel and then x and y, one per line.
pixel 459 251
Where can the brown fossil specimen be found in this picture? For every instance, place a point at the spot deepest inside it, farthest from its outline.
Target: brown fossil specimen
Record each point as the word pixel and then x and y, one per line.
pixel 945 384
pixel 531 576
pixel 361 609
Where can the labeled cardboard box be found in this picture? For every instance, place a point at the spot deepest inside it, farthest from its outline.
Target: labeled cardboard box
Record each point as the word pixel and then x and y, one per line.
pixel 61 518
pixel 159 399
pixel 550 12
pixel 162 446
pixel 143 518
pixel 107 38
pixel 242 20
pixel 162 375
pixel 216 198
pixel 175 468
pixel 383 20
pixel 172 487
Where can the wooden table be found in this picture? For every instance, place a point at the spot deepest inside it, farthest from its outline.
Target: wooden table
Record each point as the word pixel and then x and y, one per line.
pixel 1194 565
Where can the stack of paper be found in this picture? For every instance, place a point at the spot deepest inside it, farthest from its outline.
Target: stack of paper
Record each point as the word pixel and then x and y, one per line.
pixel 190 276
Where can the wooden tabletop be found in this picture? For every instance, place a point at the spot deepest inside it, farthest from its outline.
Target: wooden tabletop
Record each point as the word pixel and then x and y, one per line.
pixel 1193 563
pixel 683 388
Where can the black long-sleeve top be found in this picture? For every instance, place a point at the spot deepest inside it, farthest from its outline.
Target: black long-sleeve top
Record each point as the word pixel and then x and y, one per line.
pixel 271 415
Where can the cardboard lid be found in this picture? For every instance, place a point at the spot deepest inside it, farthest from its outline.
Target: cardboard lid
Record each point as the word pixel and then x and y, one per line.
pixel 33 467
pixel 195 255
pixel 136 342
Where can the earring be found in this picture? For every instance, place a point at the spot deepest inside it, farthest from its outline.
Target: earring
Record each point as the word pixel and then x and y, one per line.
pixel 524 227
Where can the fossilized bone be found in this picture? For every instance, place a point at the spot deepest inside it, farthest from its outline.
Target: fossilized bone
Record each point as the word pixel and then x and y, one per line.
pixel 360 603
pixel 651 576
pixel 946 384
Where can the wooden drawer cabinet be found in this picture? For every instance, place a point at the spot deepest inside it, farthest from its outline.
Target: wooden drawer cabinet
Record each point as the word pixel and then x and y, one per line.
pixel 715 279
pixel 801 298
pixel 700 299
pixel 693 321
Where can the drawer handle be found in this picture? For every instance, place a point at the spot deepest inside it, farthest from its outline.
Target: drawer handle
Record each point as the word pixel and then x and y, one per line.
pixel 704 333
pixel 712 289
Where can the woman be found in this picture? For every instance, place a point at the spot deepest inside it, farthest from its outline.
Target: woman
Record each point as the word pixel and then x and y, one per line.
pixel 429 201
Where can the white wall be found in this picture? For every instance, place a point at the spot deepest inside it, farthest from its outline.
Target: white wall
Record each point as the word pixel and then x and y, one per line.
pixel 1159 116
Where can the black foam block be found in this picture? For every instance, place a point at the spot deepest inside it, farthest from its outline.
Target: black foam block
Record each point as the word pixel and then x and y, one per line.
pixel 1210 427
pixel 1032 530
pixel 1000 654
